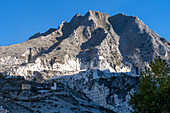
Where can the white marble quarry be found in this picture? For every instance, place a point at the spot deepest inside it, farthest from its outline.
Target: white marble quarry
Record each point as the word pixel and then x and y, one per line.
pixel 98 94
pixel 70 66
pixel 84 50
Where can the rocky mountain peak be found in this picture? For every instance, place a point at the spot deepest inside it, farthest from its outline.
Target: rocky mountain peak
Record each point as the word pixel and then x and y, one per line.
pixel 118 39
pixel 96 14
pixel 97 54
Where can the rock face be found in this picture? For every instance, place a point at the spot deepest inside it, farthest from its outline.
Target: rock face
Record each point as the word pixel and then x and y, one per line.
pixel 89 47
pixel 117 43
pixel 41 98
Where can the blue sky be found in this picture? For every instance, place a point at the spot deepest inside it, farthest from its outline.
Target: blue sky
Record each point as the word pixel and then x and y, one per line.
pixel 20 19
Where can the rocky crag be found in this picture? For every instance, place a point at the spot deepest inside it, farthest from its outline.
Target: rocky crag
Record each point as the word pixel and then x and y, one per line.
pixel 95 53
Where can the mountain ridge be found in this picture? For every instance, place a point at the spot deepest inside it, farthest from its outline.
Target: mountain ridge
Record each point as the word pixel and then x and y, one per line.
pixel 94 26
pixel 87 52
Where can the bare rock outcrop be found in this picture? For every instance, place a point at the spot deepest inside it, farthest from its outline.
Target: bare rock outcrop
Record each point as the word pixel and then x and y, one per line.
pixel 86 49
pixel 120 43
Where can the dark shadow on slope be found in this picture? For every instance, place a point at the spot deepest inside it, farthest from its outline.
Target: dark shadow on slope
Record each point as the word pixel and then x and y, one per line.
pixel 132 37
pixel 89 50
pixel 36 35
pixel 96 38
pixel 120 84
pixel 87 56
pixel 31 58
pixel 52 47
pixel 68 29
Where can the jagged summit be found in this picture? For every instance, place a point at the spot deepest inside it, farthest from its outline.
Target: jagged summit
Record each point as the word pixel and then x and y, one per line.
pixel 95 13
pixel 122 14
pixel 78 19
pixel 123 42
pixel 98 54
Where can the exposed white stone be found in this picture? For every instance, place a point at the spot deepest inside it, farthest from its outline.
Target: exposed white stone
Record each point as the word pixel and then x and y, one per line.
pixel 87 44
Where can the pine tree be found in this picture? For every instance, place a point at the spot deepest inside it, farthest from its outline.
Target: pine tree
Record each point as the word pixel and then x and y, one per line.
pixel 153 89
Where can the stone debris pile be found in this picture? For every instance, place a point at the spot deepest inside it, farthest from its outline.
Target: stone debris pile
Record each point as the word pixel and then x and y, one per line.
pixel 2 110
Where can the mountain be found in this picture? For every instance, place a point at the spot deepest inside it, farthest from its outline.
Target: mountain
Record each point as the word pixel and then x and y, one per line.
pixel 90 53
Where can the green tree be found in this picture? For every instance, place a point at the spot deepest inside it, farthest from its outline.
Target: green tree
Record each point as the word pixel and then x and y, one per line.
pixel 153 93
pixel 1 76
